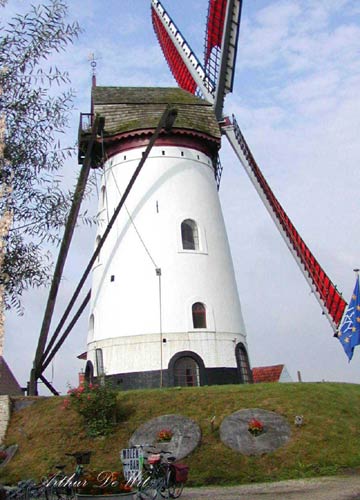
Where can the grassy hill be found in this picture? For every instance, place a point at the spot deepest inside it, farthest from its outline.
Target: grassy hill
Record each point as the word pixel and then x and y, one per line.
pixel 327 443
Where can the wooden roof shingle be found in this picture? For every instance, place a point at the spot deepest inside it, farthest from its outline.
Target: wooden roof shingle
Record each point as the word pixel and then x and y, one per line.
pixel 267 373
pixel 137 108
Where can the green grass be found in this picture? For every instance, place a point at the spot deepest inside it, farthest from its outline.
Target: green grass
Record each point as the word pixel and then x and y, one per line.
pixel 327 443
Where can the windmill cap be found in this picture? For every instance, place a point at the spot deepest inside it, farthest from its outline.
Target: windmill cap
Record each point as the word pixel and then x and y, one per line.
pixel 129 109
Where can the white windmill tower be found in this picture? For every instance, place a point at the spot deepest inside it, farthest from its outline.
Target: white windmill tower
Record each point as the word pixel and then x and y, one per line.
pixel 164 302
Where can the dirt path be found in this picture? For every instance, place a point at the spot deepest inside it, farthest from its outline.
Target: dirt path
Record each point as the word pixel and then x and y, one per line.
pixel 326 488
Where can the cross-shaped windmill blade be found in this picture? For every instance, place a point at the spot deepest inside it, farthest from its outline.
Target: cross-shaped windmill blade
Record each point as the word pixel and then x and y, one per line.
pixel 221 38
pixel 215 80
pixel 185 66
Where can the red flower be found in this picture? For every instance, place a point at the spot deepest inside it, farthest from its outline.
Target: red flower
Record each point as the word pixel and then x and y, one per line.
pixel 164 435
pixel 255 427
pixel 65 404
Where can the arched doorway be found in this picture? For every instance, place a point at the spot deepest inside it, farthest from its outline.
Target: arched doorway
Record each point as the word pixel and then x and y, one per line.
pixel 89 372
pixel 243 365
pixel 186 372
pixel 186 369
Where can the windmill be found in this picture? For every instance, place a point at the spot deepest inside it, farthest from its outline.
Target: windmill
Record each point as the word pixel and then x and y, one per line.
pixel 138 312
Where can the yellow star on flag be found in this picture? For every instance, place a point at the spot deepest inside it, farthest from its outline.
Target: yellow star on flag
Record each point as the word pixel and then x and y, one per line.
pixel 347 340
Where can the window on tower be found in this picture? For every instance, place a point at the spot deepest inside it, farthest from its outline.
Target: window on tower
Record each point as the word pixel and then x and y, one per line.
pixel 103 196
pixel 199 315
pixel 242 361
pixel 189 235
pixel 91 325
pixel 99 362
pixel 98 239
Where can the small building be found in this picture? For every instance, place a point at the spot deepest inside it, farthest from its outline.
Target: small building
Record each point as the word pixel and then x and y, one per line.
pixel 8 384
pixel 274 373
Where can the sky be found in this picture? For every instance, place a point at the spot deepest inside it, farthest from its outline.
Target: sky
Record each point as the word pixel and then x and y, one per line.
pixel 296 98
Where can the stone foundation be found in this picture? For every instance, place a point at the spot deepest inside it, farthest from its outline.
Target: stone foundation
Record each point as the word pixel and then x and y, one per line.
pixel 5 410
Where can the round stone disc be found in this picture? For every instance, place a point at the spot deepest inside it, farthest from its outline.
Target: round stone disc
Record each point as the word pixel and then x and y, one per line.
pixel 186 434
pixel 234 431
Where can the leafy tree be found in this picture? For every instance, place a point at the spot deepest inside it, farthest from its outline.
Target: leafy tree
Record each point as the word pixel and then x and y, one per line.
pixel 35 101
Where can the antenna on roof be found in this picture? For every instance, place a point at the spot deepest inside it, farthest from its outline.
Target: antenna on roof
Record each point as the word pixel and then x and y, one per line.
pixel 93 64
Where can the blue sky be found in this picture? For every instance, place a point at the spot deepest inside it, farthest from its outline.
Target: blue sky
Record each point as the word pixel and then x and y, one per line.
pixel 296 98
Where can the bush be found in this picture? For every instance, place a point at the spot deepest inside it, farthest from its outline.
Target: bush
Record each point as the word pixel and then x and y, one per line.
pixel 97 404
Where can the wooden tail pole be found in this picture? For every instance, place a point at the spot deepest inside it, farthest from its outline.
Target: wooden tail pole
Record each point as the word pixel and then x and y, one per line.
pixel 64 248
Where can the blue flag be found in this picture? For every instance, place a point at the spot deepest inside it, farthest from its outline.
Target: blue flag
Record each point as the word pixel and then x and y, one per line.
pixel 349 332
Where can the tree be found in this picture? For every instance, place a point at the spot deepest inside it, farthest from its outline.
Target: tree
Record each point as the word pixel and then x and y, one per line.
pixel 35 115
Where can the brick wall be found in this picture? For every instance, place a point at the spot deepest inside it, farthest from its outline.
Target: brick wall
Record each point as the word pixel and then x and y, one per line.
pixel 4 415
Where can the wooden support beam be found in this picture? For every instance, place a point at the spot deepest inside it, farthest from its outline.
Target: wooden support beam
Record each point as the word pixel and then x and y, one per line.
pixel 64 248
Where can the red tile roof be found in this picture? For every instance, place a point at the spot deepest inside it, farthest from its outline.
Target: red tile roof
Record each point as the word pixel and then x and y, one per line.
pixel 267 373
pixel 8 383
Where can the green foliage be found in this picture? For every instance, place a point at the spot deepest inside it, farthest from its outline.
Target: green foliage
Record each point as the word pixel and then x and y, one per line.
pixel 35 113
pixel 327 442
pixel 97 406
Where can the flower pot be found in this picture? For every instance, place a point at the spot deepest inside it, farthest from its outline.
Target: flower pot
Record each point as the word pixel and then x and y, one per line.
pixel 114 496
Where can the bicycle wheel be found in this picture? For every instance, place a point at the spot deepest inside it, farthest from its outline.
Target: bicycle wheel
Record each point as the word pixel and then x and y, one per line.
pixel 148 490
pixel 164 485
pixel 176 489
pixel 147 493
pixel 164 491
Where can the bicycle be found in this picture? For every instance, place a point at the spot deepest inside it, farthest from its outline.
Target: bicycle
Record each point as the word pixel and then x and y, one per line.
pixel 161 476
pixel 61 486
pixel 25 490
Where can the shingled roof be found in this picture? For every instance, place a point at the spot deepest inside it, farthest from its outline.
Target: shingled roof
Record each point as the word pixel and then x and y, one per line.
pixel 8 383
pixel 137 108
pixel 274 373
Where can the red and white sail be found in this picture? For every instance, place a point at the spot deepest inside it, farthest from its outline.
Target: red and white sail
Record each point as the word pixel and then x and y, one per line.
pixel 184 65
pixel 331 301
pixel 221 40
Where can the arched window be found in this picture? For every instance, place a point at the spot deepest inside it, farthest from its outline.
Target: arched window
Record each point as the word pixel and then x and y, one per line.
pixel 242 361
pixel 91 326
pixel 98 238
pixel 186 372
pixel 99 362
pixel 189 235
pixel 103 196
pixel 199 315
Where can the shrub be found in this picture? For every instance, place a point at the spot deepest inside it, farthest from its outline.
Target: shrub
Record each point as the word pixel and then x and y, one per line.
pixel 96 404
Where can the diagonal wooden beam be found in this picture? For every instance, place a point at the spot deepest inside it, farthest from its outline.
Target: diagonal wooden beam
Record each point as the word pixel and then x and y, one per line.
pixel 63 252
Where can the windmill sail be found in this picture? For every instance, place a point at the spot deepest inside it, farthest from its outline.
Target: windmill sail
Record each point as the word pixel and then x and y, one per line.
pixel 221 37
pixel 330 299
pixel 184 65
